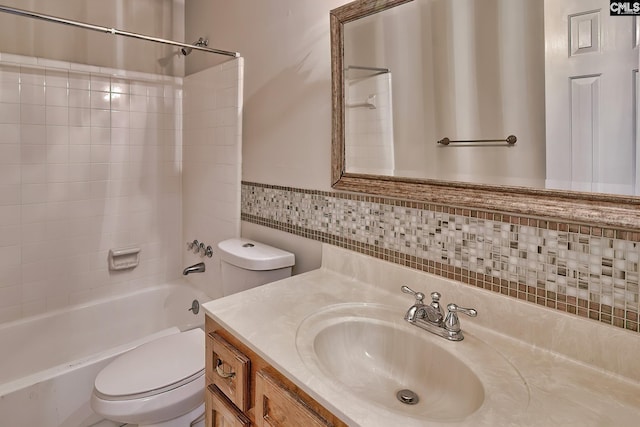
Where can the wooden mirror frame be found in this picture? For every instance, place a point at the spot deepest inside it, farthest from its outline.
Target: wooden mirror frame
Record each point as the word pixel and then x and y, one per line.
pixel 604 210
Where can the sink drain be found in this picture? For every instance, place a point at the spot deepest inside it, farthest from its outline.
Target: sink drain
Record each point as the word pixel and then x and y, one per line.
pixel 407 397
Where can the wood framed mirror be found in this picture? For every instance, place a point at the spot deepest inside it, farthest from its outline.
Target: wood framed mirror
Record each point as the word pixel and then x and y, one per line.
pixel 617 211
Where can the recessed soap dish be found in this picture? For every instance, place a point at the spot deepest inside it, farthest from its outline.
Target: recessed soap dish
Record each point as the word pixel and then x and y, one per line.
pixel 124 259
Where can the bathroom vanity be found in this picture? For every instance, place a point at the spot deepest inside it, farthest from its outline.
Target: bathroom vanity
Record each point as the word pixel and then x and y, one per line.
pixel 332 347
pixel 243 389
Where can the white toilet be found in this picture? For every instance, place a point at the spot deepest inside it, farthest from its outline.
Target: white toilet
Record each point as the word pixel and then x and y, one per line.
pixel 161 383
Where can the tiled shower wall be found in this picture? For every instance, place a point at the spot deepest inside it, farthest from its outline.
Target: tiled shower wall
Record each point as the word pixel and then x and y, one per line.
pixel 369 124
pixel 212 165
pixel 583 270
pixel 90 160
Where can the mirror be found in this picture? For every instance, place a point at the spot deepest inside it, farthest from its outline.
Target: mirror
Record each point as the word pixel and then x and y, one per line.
pixel 467 94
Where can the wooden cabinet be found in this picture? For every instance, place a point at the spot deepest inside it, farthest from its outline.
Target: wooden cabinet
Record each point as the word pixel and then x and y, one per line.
pixel 221 412
pixel 228 369
pixel 244 390
pixel 276 406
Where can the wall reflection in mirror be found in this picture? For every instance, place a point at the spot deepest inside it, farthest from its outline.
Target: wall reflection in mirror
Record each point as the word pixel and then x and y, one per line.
pixel 561 75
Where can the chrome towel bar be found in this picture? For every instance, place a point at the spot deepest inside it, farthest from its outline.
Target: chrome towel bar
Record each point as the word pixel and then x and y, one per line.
pixel 510 140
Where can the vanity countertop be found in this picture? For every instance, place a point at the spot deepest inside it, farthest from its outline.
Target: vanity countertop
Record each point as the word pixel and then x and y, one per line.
pixel 601 389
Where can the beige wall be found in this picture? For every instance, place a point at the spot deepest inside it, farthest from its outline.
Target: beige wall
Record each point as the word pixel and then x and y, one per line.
pixel 287 94
pixel 158 18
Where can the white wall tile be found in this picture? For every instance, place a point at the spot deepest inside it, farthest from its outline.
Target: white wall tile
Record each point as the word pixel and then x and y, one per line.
pixel 10 236
pixel 9 74
pixel 100 153
pixel 11 295
pixel 79 81
pixel 100 100
pixel 120 119
pixel 9 133
pixel 100 118
pixel 34 193
pixel 10 215
pixel 9 93
pixel 9 113
pixel 32 114
pixel 120 102
pixel 33 173
pixel 120 136
pixel 80 153
pixel 9 195
pixel 57 135
pixel 57 96
pixel 100 83
pixel 33 134
pixel 79 98
pixel 32 94
pixel 33 154
pixel 57 172
pixel 79 117
pixel 70 183
pixel 57 116
pixel 10 174
pixel 9 154
pixel 210 180
pixel 58 154
pixel 55 78
pixel 100 136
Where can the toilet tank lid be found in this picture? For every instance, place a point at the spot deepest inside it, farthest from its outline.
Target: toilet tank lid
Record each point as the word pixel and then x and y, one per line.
pixel 252 255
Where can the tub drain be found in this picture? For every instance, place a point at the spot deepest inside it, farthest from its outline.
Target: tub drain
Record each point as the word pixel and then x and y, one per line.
pixel 407 397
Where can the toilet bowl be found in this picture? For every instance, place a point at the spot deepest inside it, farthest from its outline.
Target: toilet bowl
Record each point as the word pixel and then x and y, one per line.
pixel 158 384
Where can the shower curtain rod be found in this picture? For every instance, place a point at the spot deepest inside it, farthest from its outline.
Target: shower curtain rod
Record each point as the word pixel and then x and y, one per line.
pixel 113 31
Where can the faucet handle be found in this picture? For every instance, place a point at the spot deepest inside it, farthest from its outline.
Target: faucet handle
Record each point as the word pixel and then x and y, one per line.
pixel 471 312
pixel 418 295
pixel 451 322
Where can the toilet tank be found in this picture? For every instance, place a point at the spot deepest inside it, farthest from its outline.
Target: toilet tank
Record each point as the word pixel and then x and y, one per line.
pixel 247 264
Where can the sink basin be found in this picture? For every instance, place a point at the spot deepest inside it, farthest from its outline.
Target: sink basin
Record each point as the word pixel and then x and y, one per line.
pixel 370 352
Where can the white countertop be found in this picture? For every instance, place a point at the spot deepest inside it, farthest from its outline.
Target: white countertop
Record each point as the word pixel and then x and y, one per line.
pixel 602 388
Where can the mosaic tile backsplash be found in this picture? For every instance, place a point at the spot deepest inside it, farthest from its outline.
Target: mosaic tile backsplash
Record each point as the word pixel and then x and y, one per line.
pixel 584 270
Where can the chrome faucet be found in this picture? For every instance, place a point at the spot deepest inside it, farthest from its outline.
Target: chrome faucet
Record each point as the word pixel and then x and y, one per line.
pixel 432 312
pixel 431 317
pixel 195 268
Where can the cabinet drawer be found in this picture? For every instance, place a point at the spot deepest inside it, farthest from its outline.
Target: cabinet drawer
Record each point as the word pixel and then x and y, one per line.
pixel 276 406
pixel 221 412
pixel 228 369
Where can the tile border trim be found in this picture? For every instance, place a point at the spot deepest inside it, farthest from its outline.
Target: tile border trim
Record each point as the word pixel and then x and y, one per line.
pixel 618 317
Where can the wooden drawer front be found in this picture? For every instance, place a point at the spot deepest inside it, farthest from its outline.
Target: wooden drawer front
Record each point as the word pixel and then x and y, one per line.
pixel 221 411
pixel 276 406
pixel 228 369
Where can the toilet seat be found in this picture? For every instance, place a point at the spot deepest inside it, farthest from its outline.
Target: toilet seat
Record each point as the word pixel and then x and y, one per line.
pixel 153 368
pixel 156 381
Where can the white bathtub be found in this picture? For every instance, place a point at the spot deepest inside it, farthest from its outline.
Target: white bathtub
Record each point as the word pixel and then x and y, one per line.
pixel 48 362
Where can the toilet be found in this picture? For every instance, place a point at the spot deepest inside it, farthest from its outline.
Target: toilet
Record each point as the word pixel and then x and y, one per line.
pixel 247 264
pixel 161 383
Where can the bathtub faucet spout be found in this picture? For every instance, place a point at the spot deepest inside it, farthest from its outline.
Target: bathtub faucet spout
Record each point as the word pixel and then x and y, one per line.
pixel 195 268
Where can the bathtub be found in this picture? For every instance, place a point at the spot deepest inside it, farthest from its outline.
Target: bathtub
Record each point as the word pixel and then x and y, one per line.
pixel 48 362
